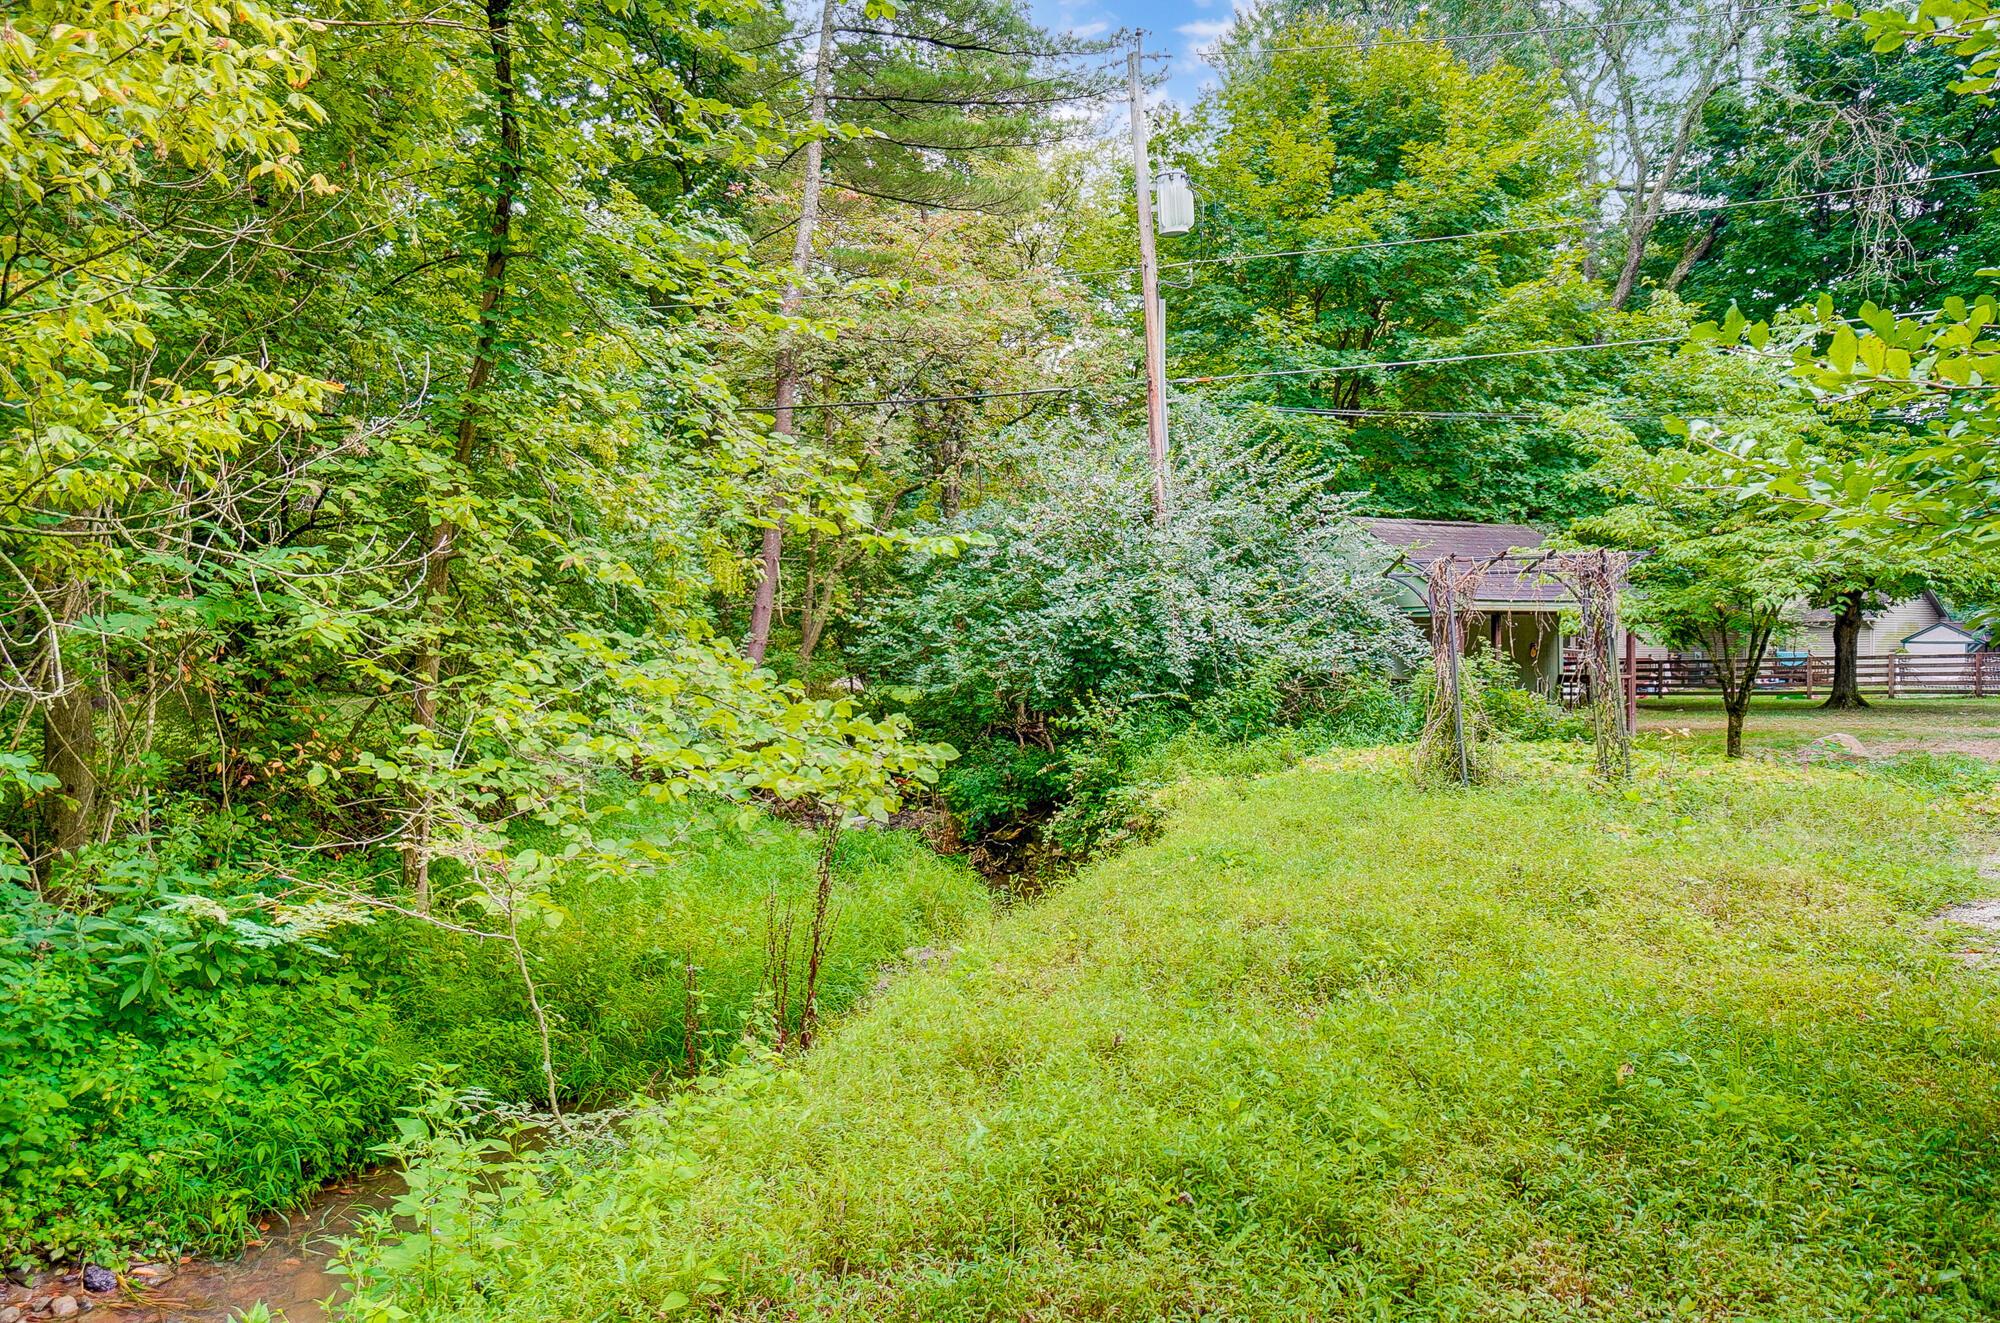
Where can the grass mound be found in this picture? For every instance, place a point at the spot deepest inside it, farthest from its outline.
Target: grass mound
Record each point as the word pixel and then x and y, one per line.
pixel 1333 1048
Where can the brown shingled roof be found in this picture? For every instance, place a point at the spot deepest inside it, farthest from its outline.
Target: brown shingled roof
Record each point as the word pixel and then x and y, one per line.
pixel 1421 541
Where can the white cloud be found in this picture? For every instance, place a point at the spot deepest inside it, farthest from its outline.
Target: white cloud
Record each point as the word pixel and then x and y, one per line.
pixel 1206 29
pixel 1089 30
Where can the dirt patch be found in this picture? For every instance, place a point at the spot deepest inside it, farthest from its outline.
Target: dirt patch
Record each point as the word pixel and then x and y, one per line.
pixel 1989 749
pixel 1834 747
pixel 1983 950
pixel 1980 949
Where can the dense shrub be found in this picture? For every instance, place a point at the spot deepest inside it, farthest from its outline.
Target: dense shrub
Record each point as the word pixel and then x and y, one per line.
pixel 180 1054
pixel 177 1057
pixel 1072 595
pixel 1075 632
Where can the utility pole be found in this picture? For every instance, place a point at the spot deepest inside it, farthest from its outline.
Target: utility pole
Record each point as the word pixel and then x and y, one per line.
pixel 764 605
pixel 1149 289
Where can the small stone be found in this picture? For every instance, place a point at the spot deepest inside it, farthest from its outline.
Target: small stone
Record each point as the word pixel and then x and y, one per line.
pixel 149 1272
pixel 63 1306
pixel 99 1279
pixel 1835 748
pixel 11 1314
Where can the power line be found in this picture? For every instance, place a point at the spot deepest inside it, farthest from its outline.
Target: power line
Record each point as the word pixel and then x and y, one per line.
pixel 1080 388
pixel 1427 415
pixel 1367 245
pixel 1551 29
pixel 1691 209
pixel 1088 388
pixel 1329 369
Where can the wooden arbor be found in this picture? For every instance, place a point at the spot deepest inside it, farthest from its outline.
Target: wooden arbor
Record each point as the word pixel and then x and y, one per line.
pixel 1450 746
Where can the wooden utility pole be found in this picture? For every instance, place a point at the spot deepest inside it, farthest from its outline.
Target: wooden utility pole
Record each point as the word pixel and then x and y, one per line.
pixel 1149 289
pixel 764 605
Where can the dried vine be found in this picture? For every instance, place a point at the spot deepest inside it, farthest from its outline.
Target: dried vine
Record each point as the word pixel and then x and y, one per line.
pixel 1455 735
pixel 1594 578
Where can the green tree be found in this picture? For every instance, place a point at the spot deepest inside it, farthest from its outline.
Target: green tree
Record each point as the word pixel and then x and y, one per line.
pixel 1718 574
pixel 423 412
pixel 1927 486
pixel 1355 162
pixel 1881 131
pixel 914 107
pixel 122 120
pixel 1646 74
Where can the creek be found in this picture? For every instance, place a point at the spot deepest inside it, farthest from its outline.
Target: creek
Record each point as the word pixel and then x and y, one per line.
pixel 286 1268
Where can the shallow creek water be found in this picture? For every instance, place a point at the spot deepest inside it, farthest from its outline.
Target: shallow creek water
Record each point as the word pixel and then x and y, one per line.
pixel 286 1269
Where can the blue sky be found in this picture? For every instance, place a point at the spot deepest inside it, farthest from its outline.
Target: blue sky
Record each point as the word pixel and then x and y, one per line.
pixel 1177 27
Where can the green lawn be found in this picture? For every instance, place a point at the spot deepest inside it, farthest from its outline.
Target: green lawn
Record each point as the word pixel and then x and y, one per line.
pixel 1887 725
pixel 1334 1048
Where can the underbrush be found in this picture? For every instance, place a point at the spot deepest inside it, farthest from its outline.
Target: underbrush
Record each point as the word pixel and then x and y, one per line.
pixel 1332 1047
pixel 645 966
pixel 181 1055
pixel 1094 786
pixel 1041 808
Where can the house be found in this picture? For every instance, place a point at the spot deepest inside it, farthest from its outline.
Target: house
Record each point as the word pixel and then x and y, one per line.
pixel 1947 638
pixel 1920 624
pixel 1518 609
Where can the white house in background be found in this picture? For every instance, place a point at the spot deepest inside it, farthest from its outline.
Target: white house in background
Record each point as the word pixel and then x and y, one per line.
pixel 1947 638
pixel 1919 625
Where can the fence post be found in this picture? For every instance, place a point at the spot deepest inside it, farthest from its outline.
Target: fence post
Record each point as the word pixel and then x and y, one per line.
pixel 1631 684
pixel 1810 659
pixel 1893 658
pixel 1979 675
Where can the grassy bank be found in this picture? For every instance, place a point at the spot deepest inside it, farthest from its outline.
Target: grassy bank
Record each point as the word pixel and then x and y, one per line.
pixel 615 974
pixel 245 1077
pixel 1333 1048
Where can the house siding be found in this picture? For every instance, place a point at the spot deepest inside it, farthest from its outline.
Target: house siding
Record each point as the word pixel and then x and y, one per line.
pixel 1882 632
pixel 1886 630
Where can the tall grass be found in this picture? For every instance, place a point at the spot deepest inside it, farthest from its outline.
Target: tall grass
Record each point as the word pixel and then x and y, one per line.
pixel 648 964
pixel 1334 1048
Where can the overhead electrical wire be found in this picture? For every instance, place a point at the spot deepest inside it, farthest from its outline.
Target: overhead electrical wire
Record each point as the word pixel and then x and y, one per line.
pixel 1328 369
pixel 1081 388
pixel 1690 209
pixel 1497 33
pixel 1427 415
pixel 1086 388
pixel 1334 369
pixel 1368 245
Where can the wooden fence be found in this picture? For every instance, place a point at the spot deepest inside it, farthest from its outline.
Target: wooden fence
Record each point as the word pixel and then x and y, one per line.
pixel 1906 675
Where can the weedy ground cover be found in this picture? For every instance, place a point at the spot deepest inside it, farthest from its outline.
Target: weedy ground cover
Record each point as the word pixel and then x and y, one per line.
pixel 1334 1048
pixel 171 1116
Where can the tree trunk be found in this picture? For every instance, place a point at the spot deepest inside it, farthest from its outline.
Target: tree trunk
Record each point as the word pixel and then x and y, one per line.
pixel 1846 692
pixel 440 550
pixel 1697 248
pixel 1738 675
pixel 771 551
pixel 68 813
pixel 1654 185
pixel 69 753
